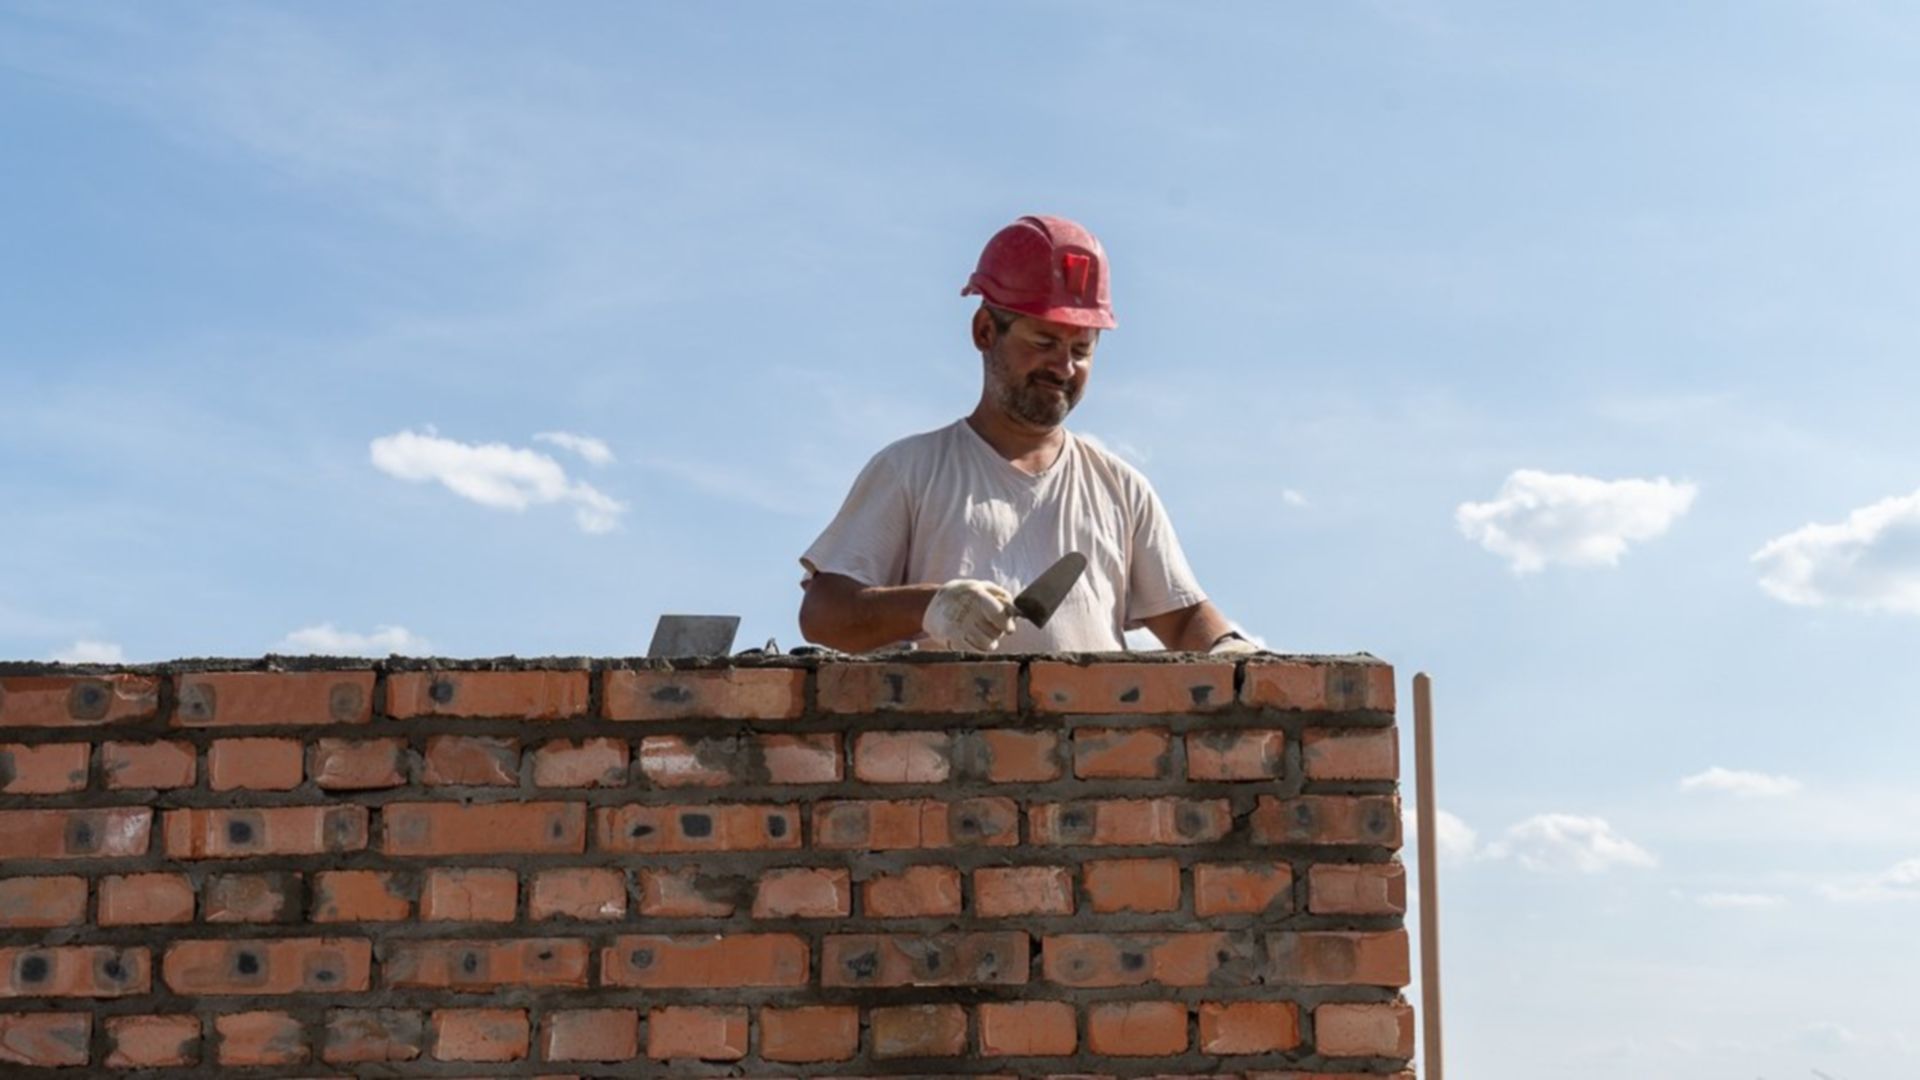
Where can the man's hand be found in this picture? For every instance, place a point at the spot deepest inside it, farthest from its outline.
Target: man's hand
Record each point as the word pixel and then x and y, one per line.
pixel 967 614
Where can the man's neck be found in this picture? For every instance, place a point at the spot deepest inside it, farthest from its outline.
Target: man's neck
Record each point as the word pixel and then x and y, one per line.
pixel 1027 448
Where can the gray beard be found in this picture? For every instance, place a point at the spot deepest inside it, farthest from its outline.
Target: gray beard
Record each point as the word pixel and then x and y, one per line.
pixel 1028 401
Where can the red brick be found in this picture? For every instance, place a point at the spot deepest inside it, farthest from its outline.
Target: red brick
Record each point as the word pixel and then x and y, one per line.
pixel 74 834
pixel 993 958
pixel 1341 958
pixel 590 1035
pixel 472 760
pixel 1327 819
pixel 705 960
pixel 145 899
pixel 279 698
pixel 357 1036
pixel 357 764
pixel 1015 757
pixel 255 764
pixel 1354 1030
pixel 1027 1029
pixel 1318 685
pixel 802 759
pixel 708 1034
pixel 1132 885
pixel 810 1033
pixel 578 893
pixel 1167 959
pixel 688 892
pixel 903 757
pixel 858 687
pixel 277 830
pixel 729 693
pixel 44 1039
pixel 1120 753
pixel 1241 888
pixel 483 828
pixel 260 1038
pixel 43 769
pixel 913 891
pixel 1357 889
pixel 513 695
pixel 76 700
pixel 156 765
pixel 478 1035
pixel 469 894
pixel 251 898
pixel 915 823
pixel 581 763
pixel 918 1031
pixel 1351 753
pixel 1236 755
pixel 42 901
pixel 278 966
pixel 1137 1028
pixel 1249 1027
pixel 1060 687
pixel 1003 891
pixel 151 1042
pixel 705 827
pixel 1131 821
pixel 91 971
pixel 803 892
pixel 490 964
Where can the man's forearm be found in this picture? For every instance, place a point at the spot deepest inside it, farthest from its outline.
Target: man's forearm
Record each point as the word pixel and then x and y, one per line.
pixel 843 614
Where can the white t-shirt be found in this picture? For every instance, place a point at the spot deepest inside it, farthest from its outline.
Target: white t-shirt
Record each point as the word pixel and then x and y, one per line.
pixel 943 505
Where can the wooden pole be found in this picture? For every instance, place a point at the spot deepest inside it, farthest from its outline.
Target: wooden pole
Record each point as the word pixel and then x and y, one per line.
pixel 1427 821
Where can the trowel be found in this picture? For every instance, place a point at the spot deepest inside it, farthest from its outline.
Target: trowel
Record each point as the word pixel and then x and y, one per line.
pixel 1040 599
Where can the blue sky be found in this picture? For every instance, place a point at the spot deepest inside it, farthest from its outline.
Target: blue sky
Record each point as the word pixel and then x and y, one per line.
pixel 1631 283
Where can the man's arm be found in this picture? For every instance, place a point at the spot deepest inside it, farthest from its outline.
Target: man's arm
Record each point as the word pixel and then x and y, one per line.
pixel 1189 629
pixel 841 613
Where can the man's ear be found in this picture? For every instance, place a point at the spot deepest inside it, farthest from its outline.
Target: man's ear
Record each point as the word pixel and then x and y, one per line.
pixel 983 329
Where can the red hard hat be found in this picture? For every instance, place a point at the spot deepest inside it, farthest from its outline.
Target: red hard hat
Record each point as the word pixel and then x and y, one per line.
pixel 1047 267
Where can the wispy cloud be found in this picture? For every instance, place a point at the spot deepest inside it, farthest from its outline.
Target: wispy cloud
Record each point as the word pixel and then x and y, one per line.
pixel 1738 782
pixel 1869 562
pixel 91 652
pixel 494 475
pixel 1740 901
pixel 1538 518
pixel 1568 842
pixel 1454 840
pixel 324 639
pixel 1292 498
pixel 1899 882
pixel 593 450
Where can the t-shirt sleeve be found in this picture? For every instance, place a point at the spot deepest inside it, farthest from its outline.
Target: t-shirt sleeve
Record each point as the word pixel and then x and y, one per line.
pixel 1159 580
pixel 867 539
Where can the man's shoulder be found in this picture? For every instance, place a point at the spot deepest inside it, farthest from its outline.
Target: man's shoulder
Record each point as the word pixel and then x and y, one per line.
pixel 906 453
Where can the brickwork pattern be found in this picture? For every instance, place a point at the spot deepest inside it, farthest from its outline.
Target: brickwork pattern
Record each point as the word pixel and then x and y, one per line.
pixel 1028 867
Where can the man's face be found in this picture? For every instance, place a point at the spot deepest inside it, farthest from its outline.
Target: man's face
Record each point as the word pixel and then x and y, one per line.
pixel 1037 370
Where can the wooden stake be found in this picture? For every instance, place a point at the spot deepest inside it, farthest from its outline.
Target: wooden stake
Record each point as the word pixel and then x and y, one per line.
pixel 1427 820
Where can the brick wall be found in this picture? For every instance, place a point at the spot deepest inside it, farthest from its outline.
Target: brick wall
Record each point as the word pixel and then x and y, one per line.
pixel 1017 868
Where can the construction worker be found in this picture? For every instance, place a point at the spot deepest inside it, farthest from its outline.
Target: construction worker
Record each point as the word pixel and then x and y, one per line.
pixel 942 528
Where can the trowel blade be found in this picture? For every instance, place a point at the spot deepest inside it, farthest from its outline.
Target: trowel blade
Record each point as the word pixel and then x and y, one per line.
pixel 1039 600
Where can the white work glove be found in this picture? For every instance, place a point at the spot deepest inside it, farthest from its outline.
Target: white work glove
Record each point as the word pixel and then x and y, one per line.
pixel 1232 646
pixel 968 614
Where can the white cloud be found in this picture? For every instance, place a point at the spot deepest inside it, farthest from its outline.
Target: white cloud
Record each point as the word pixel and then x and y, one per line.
pixel 1454 840
pixel 1739 901
pixel 1292 497
pixel 595 451
pixel 1737 782
pixel 1869 562
pixel 325 639
pixel 91 652
pixel 1900 882
pixel 1540 518
pixel 1557 842
pixel 494 475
